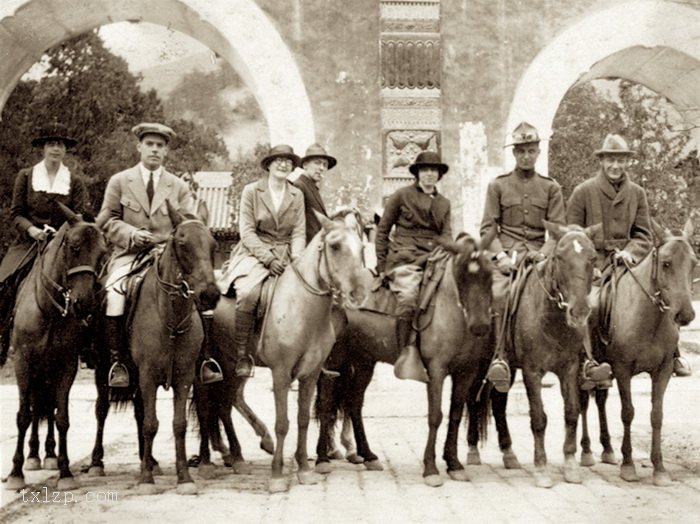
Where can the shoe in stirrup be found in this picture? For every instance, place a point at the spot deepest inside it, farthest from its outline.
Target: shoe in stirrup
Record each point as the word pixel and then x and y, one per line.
pixel 681 367
pixel 210 372
pixel 118 376
pixel 245 366
pixel 499 375
pixel 409 365
pixel 595 372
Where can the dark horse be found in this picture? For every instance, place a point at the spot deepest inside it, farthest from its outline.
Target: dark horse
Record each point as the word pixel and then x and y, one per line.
pixel 456 342
pixel 165 338
pixel 652 300
pixel 293 341
pixel 52 312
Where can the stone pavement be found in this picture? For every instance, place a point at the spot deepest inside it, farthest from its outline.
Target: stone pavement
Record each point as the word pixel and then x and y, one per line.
pixel 397 429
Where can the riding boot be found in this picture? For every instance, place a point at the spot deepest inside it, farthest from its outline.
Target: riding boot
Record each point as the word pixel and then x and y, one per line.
pixel 118 373
pixel 243 328
pixel 596 375
pixel 409 365
pixel 209 370
pixel 681 367
pixel 499 370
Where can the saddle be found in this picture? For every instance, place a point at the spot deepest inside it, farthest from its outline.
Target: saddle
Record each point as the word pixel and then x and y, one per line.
pixel 605 302
pixel 513 296
pixel 133 281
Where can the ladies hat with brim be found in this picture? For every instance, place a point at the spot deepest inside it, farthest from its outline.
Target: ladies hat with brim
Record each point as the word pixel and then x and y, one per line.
pixel 428 159
pixel 53 132
pixel 317 151
pixel 280 151
pixel 614 145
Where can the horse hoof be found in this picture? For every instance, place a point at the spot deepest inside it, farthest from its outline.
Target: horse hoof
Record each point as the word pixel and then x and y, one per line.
pixel 186 488
pixel 510 460
pixel 459 475
pixel 32 464
pixel 662 479
pixel 267 445
pixel 157 471
pixel 354 458
pixel 241 467
pixel 14 483
pixel 278 485
pixel 434 481
pixel 542 479
pixel 51 463
pixel 67 484
pixel 336 454
pixel 96 471
pixel 608 457
pixel 146 488
pixel 587 459
pixel 374 465
pixel 206 471
pixel 572 473
pixel 323 468
pixel 309 477
pixel 473 458
pixel 628 473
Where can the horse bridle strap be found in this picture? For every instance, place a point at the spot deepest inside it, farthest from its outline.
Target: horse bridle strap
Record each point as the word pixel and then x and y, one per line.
pixel 556 295
pixel 309 287
pixel 656 297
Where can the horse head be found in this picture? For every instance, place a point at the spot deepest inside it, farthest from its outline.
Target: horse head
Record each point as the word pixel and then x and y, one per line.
pixel 194 248
pixel 471 268
pixel 78 260
pixel 342 249
pixel 570 270
pixel 673 272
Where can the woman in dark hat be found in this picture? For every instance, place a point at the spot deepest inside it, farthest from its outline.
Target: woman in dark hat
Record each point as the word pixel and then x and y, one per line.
pixel 272 229
pixel 35 214
pixel 419 216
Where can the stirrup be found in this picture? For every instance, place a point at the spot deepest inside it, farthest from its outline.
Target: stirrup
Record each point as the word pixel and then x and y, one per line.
pixel 210 372
pixel 118 376
pixel 245 366
pixel 499 375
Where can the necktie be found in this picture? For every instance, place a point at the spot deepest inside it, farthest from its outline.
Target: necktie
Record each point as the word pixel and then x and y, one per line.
pixel 149 188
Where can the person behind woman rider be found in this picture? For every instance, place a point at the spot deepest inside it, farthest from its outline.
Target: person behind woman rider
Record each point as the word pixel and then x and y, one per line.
pixel 419 216
pixel 35 214
pixel 272 229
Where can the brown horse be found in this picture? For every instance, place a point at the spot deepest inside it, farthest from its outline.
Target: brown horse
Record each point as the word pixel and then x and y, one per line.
pixel 652 300
pixel 165 338
pixel 52 312
pixel 548 330
pixel 297 334
pixel 456 342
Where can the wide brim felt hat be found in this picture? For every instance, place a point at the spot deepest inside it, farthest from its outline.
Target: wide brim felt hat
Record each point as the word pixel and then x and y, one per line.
pixel 614 145
pixel 153 128
pixel 428 159
pixel 53 132
pixel 280 151
pixel 317 151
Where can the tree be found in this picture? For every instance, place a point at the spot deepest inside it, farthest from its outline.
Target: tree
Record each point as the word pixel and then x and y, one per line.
pixel 245 169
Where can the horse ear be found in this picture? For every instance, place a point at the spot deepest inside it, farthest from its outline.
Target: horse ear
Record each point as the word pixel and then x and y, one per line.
pixel 556 231
pixel 658 231
pixel 203 211
pixel 688 229
pixel 594 231
pixel 326 222
pixel 71 217
pixel 175 216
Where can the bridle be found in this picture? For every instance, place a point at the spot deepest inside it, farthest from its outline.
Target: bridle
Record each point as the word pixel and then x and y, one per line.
pixel 555 295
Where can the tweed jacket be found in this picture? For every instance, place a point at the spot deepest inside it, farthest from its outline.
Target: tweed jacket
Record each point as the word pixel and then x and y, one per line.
pixel 266 234
pixel 125 208
pixel 624 215
pixel 312 202
pixel 518 205
pixel 419 219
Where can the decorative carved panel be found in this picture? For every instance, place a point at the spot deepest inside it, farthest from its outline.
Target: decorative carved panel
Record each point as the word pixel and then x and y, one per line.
pixel 401 148
pixel 410 63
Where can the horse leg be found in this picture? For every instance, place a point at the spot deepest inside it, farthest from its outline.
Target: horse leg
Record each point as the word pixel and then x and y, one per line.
pixel 628 471
pixel 185 484
pixel 306 392
pixel 33 461
pixel 66 480
pixel 570 392
pixel 458 399
pixel 202 402
pixel 353 403
pixel 266 443
pixel 499 404
pixel 431 475
pixel 586 454
pixel 608 455
pixel 326 411
pixel 348 442
pixel 538 424
pixel 15 480
pixel 148 391
pixel 280 387
pixel 101 410
pixel 235 456
pixel 138 416
pixel 50 459
pixel 659 381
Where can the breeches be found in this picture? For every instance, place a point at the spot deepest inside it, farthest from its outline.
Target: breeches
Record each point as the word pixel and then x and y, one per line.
pixel 247 297
pixel 116 285
pixel 404 282
pixel 499 288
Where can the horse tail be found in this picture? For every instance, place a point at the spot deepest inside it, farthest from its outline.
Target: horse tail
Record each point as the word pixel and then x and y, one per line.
pixel 42 398
pixel 483 412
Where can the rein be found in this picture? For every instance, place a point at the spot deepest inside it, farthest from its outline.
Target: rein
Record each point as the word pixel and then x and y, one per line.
pixel 172 291
pixel 555 296
pixel 332 289
pixel 655 297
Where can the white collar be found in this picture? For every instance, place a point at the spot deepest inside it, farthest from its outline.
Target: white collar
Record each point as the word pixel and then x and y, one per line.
pixel 145 172
pixel 40 179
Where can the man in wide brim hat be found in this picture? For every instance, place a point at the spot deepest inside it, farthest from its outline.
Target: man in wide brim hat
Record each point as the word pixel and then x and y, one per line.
pixel 317 151
pixel 428 159
pixel 614 145
pixel 53 133
pixel 280 151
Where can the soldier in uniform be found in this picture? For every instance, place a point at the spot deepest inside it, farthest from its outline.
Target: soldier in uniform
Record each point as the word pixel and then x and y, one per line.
pixel 419 216
pixel 517 204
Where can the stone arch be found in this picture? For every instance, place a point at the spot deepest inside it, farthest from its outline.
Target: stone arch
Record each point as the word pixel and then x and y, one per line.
pixel 657 49
pixel 237 30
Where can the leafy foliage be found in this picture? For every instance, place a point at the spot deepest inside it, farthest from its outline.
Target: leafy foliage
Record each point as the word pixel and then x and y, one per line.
pixel 245 169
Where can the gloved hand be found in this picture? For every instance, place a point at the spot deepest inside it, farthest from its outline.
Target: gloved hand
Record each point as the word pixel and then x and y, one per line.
pixel 504 264
pixel 142 238
pixel 624 256
pixel 37 234
pixel 535 256
pixel 276 267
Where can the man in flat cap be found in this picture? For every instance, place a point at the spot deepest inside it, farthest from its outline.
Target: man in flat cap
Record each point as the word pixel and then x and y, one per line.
pixel 134 216
pixel 517 204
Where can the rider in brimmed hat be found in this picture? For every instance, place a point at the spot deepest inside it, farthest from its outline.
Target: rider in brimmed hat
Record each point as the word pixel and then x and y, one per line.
pixel 517 204
pixel 419 216
pixel 315 163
